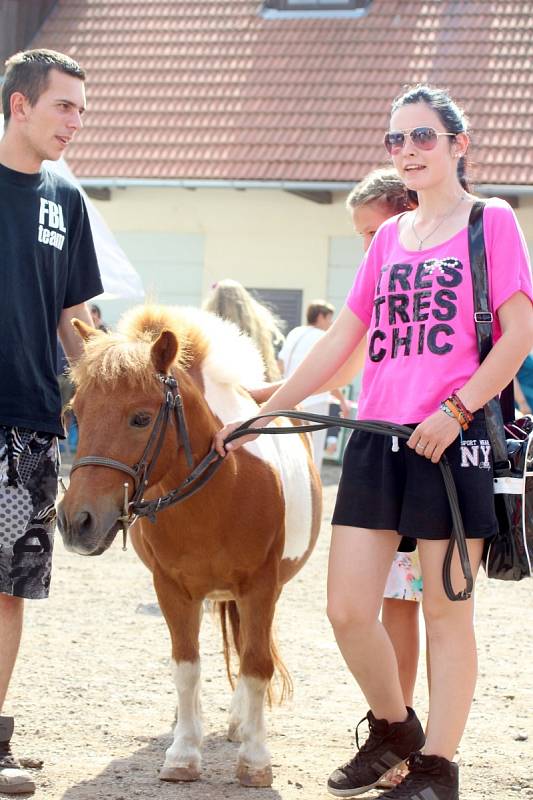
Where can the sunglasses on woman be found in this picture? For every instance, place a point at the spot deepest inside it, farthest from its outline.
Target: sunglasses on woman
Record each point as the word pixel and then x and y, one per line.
pixel 424 138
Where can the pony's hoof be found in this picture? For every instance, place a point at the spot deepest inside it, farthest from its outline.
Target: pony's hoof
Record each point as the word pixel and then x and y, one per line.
pixel 256 778
pixel 176 774
pixel 234 732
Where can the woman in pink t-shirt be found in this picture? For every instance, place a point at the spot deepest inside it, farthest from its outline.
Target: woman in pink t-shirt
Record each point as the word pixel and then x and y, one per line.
pixel 412 298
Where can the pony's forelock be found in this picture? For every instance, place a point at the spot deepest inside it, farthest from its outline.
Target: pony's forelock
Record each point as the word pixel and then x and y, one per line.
pixel 216 346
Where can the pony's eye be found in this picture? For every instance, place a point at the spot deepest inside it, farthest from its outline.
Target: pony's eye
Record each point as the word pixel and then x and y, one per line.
pixel 140 420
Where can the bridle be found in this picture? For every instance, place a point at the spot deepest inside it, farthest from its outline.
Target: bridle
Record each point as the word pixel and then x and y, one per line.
pixel 205 469
pixel 141 471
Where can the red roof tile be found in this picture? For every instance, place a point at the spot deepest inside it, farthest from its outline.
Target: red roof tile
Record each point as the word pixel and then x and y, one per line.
pixel 208 89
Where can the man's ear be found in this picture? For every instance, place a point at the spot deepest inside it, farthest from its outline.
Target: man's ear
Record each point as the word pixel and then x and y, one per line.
pixel 18 104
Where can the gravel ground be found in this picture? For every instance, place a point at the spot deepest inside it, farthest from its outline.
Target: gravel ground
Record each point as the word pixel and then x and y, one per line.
pixel 94 698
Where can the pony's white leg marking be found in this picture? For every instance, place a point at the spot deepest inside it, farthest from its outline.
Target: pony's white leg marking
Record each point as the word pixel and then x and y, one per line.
pixel 254 767
pixel 183 758
pixel 237 711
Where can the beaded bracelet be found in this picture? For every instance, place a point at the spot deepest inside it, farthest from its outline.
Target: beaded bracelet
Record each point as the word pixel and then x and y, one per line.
pixel 453 410
pixel 456 400
pixel 444 407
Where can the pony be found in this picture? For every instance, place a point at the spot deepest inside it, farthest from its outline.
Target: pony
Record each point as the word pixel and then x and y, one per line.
pixel 237 541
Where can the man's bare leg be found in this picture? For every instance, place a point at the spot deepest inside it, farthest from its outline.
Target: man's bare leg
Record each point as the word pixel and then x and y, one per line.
pixel 13 780
pixel 11 615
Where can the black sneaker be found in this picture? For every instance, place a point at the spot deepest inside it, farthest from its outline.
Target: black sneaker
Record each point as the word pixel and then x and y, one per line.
pixel 13 779
pixel 386 746
pixel 429 778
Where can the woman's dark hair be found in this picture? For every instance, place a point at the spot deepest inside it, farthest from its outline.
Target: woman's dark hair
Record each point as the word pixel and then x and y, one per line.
pixel 452 117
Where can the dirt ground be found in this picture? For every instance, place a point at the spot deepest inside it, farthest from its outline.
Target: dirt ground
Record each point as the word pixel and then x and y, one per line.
pixel 94 698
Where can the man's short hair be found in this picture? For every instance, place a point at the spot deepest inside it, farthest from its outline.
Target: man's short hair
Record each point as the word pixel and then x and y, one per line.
pixel 28 73
pixel 318 308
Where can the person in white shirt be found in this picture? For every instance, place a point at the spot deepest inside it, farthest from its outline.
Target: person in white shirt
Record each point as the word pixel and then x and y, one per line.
pixel 298 343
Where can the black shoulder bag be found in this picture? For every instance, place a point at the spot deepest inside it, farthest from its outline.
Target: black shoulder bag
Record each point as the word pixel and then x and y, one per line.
pixel 509 555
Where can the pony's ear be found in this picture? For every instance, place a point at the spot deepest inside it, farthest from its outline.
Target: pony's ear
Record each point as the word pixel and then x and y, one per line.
pixel 164 351
pixel 85 331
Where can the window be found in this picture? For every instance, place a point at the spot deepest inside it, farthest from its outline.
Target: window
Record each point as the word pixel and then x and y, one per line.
pixel 272 9
pixel 285 303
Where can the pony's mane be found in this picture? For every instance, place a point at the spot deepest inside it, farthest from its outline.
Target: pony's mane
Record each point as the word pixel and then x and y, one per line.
pixel 216 346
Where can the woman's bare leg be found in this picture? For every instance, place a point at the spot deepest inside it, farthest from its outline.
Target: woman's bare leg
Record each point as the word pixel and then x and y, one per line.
pixel 452 648
pixel 359 563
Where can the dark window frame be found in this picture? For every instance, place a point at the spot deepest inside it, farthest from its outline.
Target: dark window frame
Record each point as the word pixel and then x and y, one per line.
pixel 318 8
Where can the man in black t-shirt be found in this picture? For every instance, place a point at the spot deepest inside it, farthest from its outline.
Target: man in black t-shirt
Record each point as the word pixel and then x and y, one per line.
pixel 48 270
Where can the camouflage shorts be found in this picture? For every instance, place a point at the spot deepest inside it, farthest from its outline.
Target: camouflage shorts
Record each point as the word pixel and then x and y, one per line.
pixel 29 465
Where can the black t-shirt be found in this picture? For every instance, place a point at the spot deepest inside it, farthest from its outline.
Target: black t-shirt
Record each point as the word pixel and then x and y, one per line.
pixel 47 263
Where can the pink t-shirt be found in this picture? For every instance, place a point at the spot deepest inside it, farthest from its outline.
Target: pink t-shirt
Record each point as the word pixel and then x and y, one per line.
pixel 419 309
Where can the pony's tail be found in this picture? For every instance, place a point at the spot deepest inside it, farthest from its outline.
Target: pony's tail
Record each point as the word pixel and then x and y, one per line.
pixel 281 686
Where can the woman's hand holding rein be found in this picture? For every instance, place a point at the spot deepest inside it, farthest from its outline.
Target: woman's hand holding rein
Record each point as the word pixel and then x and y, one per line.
pixel 431 438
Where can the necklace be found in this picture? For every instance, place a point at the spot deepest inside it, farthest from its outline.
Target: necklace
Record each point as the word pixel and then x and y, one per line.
pixel 445 217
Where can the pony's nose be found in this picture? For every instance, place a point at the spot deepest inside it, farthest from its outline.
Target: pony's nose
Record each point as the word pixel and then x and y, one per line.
pixel 75 528
pixel 83 523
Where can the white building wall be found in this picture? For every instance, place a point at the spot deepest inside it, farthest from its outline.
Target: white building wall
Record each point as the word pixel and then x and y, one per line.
pixel 182 241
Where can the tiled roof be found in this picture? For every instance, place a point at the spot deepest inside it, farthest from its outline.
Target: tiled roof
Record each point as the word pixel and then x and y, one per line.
pixel 208 89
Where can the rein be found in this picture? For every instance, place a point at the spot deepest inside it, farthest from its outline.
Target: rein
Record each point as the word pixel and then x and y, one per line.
pixel 206 468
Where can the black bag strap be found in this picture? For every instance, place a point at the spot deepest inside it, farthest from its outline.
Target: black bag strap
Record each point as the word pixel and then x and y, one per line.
pixel 497 410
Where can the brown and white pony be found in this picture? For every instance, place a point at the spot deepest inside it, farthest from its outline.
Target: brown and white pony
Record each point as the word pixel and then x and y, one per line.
pixel 239 539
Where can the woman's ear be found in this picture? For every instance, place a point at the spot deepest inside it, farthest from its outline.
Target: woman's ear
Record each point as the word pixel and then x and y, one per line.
pixel 460 145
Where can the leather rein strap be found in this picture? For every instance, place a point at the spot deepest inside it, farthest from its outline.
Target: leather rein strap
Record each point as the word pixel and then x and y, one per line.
pixel 321 421
pixel 210 464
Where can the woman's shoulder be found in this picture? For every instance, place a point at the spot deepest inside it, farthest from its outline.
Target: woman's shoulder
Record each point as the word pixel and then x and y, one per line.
pixel 497 207
pixel 500 221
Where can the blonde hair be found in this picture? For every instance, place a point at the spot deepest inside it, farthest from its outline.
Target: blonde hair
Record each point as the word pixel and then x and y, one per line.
pixel 381 185
pixel 230 300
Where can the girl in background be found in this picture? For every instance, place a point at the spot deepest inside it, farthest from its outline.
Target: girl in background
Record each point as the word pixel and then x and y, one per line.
pixel 230 300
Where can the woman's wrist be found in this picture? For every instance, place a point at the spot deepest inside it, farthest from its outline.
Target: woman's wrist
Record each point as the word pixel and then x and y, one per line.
pixel 443 407
pixel 454 407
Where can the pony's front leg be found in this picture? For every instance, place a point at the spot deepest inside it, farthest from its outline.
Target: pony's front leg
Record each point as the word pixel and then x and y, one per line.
pixel 183 758
pixel 257 667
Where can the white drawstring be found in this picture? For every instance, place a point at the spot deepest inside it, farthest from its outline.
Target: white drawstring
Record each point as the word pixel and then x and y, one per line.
pixel 395 444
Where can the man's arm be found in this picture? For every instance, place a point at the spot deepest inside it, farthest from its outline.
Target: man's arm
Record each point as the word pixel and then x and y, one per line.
pixel 70 339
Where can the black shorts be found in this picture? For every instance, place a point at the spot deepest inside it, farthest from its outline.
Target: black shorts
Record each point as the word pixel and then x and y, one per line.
pixel 386 485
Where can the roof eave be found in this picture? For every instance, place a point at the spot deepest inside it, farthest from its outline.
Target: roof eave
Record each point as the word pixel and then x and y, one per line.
pixel 500 189
pixel 194 183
